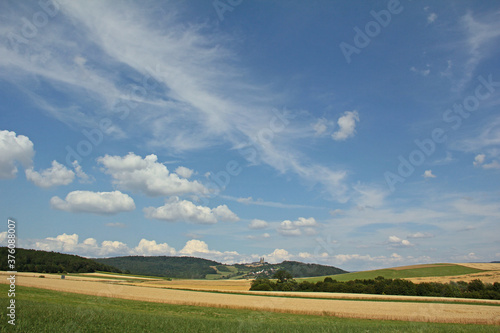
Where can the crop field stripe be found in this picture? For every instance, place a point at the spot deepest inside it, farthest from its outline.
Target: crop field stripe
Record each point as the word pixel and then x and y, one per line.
pixel 135 275
pixel 444 313
pixel 451 301
pixel 41 310
pixel 435 270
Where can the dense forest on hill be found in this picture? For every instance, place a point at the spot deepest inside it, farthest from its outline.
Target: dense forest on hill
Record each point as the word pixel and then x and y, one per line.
pixel 299 269
pixel 174 267
pixel 197 268
pixel 164 266
pixel 51 262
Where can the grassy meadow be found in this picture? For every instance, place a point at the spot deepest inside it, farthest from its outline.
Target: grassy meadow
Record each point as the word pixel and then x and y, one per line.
pixel 40 310
pixel 388 273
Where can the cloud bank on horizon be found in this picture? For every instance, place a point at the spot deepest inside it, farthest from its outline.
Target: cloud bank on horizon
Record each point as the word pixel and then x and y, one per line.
pixel 361 135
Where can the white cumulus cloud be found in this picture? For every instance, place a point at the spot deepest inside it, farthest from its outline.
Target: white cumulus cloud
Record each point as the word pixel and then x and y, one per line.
pixel 94 202
pixel 223 213
pixel 195 246
pixel 82 176
pixel 428 174
pixel 184 172
pixel 298 227
pixel 347 126
pixel 56 175
pixel 481 158
pixel 151 248
pixel 62 243
pixel 3 238
pixel 147 175
pixel 113 248
pixel 398 242
pixel 14 148
pixel 320 127
pixel 278 255
pixel 199 248
pixel 258 224
pixel 432 17
pixel 175 209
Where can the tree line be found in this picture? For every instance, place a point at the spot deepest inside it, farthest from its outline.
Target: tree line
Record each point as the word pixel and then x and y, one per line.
pixel 380 285
pixel 165 266
pixel 52 262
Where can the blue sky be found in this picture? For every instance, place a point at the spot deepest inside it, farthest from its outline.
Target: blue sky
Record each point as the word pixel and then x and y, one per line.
pixel 355 134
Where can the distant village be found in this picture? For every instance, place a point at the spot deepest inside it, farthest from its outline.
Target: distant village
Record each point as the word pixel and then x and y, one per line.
pixel 267 272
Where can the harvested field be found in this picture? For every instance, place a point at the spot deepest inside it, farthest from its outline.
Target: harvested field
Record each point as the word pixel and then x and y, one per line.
pixel 485 266
pixel 118 276
pixel 491 275
pixel 207 285
pixel 408 311
pixel 77 277
pixel 242 287
pixel 400 268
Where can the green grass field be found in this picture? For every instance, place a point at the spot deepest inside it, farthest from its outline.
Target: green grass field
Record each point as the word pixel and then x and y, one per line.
pixel 435 270
pixel 39 310
pixel 219 275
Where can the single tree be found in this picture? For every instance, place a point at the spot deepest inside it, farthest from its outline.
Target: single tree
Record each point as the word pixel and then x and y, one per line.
pixel 282 276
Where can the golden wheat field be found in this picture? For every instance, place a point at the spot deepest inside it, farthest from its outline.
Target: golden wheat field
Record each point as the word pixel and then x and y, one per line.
pixel 366 309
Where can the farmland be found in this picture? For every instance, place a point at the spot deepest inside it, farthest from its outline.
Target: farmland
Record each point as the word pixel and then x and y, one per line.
pixel 433 273
pixel 44 310
pixel 391 308
pixel 122 302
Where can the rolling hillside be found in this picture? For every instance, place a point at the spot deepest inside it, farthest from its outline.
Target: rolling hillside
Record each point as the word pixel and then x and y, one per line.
pixel 405 272
pixel 174 267
pixel 52 262
pixel 197 268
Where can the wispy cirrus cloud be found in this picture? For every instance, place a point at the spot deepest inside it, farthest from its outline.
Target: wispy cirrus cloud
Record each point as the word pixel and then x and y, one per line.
pixel 480 31
pixel 178 85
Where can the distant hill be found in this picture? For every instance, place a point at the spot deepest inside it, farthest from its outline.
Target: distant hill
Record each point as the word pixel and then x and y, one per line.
pixel 52 262
pixel 299 269
pixel 174 267
pixel 426 270
pixel 197 268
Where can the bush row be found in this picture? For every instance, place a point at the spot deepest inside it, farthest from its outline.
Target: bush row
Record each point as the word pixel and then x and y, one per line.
pixel 382 286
